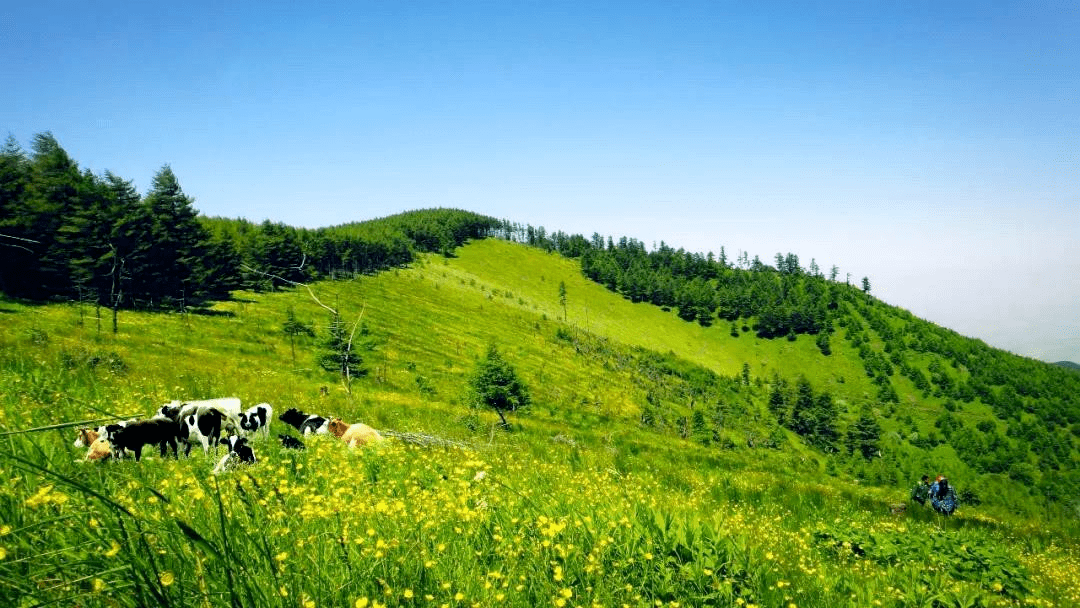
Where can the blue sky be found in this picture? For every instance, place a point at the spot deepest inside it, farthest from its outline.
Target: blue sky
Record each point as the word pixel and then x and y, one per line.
pixel 930 146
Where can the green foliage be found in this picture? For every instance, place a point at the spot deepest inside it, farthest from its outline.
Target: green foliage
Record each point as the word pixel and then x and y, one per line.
pixel 969 558
pixel 340 353
pixel 814 416
pixel 864 435
pixel 293 327
pixel 496 384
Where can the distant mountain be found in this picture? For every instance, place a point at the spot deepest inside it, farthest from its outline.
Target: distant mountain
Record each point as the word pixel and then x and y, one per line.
pixel 1069 365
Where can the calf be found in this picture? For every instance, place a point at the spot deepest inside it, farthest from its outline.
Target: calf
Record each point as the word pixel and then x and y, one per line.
pixel 85 437
pixel 291 442
pixel 307 424
pixel 257 418
pixel 354 434
pixel 203 426
pixel 147 432
pixel 238 447
pixel 100 449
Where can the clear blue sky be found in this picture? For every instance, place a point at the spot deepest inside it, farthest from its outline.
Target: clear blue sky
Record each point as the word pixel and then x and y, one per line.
pixel 931 146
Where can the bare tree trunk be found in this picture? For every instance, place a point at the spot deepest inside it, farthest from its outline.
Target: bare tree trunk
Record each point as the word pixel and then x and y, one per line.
pixel 115 293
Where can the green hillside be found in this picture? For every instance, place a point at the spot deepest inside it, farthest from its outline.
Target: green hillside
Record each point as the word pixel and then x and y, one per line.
pixel 654 466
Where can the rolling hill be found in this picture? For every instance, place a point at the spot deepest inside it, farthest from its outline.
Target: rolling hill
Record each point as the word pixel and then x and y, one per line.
pixel 661 460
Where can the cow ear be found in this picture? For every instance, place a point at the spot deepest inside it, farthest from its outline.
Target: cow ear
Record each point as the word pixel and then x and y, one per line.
pixel 223 441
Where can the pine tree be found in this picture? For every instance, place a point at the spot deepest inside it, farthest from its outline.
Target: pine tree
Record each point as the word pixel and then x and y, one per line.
pixel 340 354
pixel 495 384
pixel 293 328
pixel 802 419
pixel 171 261
pixel 778 400
pixel 864 435
pixel 52 197
pixel 562 298
pixel 16 242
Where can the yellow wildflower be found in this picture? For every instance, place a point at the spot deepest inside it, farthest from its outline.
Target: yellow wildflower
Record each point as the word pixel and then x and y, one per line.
pixel 167 578
pixel 361 603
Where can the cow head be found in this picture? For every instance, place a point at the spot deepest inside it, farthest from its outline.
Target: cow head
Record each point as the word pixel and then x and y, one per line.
pixel 337 427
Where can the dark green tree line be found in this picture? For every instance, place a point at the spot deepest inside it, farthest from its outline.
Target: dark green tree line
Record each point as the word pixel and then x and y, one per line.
pixel 69 234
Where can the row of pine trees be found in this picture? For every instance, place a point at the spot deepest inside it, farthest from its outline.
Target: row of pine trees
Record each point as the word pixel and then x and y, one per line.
pixel 67 233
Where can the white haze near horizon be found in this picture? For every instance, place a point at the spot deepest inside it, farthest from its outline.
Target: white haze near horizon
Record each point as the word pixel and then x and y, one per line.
pixel 991 278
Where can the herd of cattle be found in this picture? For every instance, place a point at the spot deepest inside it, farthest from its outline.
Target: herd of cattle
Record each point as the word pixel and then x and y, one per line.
pixel 211 423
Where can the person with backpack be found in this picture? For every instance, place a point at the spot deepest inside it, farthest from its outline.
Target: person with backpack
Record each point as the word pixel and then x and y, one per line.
pixel 921 492
pixel 943 496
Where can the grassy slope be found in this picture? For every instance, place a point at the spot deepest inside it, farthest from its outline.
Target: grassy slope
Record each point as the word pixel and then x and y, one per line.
pixel 535 276
pixel 428 325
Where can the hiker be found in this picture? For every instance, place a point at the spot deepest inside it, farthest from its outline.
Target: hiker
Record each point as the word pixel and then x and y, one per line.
pixel 921 491
pixel 943 496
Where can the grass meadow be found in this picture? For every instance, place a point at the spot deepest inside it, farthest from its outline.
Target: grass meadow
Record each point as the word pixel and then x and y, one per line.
pixel 577 506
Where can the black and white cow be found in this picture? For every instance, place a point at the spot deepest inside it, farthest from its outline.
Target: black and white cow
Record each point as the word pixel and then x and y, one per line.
pixel 146 432
pixel 257 418
pixel 202 427
pixel 308 424
pixel 238 449
pixel 178 410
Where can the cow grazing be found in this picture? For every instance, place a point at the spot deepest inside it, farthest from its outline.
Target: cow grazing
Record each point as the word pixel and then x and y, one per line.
pixel 291 442
pixel 257 418
pixel 307 424
pixel 178 410
pixel 202 427
pixel 147 432
pixel 109 431
pixel 238 449
pixel 354 434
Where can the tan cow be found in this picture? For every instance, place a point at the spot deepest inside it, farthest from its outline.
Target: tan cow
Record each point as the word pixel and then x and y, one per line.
pixel 354 434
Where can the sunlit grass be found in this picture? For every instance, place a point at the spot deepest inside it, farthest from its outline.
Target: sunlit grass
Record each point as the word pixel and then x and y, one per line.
pixel 578 506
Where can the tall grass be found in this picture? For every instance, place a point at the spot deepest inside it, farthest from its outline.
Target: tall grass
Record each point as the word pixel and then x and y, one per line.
pixel 404 525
